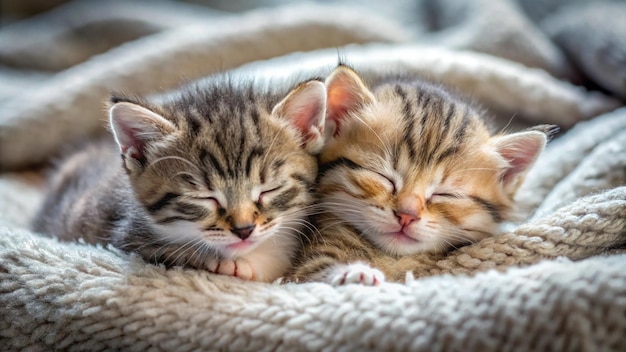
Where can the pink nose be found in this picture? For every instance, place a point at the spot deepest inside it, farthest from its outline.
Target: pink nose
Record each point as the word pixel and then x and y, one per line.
pixel 243 232
pixel 405 218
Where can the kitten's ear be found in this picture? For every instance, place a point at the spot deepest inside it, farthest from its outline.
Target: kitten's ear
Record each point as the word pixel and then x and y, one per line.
pixel 305 108
pixel 520 150
pixel 346 92
pixel 136 129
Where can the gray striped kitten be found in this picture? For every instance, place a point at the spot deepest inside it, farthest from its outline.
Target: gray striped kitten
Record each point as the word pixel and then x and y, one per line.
pixel 214 176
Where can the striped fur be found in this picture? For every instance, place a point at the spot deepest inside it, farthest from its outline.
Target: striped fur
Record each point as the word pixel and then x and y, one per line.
pixel 214 176
pixel 407 168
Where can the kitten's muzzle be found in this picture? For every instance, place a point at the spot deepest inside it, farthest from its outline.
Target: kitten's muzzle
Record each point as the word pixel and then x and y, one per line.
pixel 243 232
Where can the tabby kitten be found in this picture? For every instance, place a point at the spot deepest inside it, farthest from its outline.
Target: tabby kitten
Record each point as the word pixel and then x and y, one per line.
pixel 215 176
pixel 407 168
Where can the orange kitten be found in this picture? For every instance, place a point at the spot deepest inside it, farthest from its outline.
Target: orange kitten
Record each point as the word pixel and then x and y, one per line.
pixel 407 168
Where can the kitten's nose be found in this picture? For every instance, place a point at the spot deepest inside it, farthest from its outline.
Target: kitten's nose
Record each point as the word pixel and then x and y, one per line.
pixel 405 218
pixel 243 232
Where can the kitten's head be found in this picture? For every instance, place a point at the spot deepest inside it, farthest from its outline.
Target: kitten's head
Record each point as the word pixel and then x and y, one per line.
pixel 413 169
pixel 221 165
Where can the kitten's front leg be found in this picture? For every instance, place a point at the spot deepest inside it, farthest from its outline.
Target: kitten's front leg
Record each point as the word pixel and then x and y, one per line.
pixel 354 273
pixel 238 267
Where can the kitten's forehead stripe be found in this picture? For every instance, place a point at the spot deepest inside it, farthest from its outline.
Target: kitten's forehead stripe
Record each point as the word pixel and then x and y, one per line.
pixel 254 116
pixel 408 140
pixel 194 124
pixel 449 114
pixel 458 135
pixel 409 121
pixel 213 164
pixel 465 119
pixel 255 153
pixel 236 167
pixel 425 104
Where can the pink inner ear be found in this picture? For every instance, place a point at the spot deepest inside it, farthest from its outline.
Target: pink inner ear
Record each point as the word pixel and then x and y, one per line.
pixel 134 127
pixel 340 102
pixel 307 115
pixel 345 92
pixel 520 150
pixel 305 108
pixel 128 141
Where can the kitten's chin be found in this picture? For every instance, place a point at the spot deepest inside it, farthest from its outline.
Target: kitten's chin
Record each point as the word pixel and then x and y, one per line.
pixel 400 238
pixel 238 248
pixel 242 247
pixel 400 243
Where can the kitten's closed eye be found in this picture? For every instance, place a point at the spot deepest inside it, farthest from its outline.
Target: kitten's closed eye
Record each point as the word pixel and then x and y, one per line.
pixel 269 192
pixel 447 195
pixel 388 182
pixel 442 197
pixel 211 199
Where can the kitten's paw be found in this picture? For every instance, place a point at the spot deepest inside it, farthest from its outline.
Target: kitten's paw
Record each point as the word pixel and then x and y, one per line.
pixel 239 267
pixel 356 273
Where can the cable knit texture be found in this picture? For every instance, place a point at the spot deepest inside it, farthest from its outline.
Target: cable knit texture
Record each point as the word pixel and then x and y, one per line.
pixel 555 281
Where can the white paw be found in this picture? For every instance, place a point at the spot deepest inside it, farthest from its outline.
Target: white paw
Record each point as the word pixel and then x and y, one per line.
pixel 239 267
pixel 356 273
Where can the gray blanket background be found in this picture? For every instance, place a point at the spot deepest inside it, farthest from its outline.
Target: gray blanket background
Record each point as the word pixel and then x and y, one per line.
pixel 556 281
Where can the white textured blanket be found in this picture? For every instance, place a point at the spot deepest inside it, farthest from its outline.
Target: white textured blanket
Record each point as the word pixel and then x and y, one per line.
pixel 554 282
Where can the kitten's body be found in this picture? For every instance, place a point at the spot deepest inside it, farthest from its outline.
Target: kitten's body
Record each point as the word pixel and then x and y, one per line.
pixel 407 168
pixel 214 176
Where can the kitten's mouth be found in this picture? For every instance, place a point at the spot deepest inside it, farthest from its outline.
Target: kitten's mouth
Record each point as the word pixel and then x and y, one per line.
pixel 241 245
pixel 402 237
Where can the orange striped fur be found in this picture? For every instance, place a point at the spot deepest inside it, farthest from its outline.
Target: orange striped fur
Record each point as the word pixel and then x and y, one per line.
pixel 407 168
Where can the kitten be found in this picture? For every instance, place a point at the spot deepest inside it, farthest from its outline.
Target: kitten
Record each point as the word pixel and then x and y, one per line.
pixel 215 176
pixel 407 168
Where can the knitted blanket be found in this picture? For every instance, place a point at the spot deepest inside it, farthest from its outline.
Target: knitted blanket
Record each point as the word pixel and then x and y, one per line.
pixel 555 281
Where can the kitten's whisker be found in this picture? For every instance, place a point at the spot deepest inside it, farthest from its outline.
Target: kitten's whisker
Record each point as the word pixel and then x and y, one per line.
pixel 183 173
pixel 308 227
pixel 269 149
pixel 503 129
pixel 296 231
pixel 328 224
pixel 173 157
pixel 188 244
